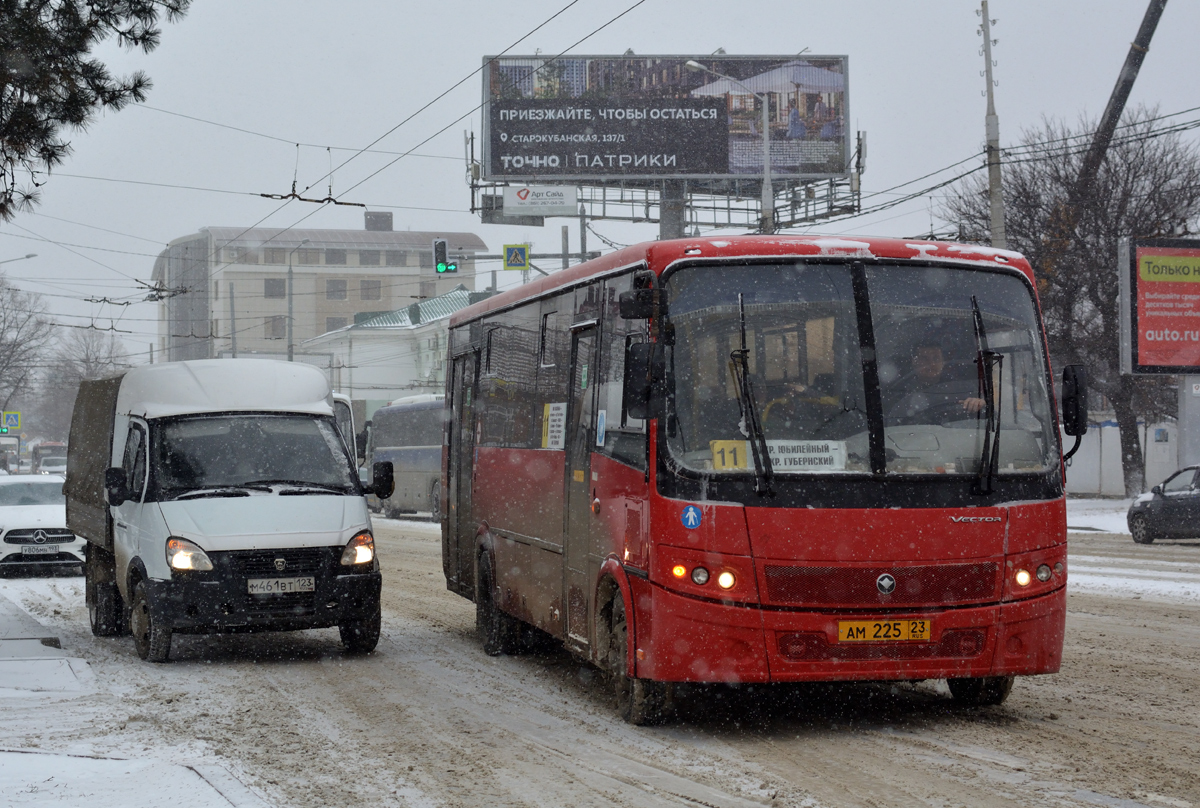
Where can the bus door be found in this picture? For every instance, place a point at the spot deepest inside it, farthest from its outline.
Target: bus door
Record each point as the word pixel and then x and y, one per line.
pixel 458 559
pixel 578 505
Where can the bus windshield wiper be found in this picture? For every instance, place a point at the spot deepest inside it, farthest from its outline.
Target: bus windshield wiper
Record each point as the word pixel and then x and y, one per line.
pixel 991 365
pixel 750 425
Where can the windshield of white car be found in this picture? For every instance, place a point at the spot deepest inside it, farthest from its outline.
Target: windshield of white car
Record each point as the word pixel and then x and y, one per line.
pixel 32 493
pixel 249 452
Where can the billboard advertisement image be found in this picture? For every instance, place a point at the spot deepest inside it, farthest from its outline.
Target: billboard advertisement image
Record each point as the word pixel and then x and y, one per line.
pixel 1163 279
pixel 651 117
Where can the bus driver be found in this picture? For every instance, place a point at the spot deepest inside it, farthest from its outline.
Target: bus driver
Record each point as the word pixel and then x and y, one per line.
pixel 935 390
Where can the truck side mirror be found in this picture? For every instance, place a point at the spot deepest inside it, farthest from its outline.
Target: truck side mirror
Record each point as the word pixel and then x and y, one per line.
pixel 1156 490
pixel 360 445
pixel 1074 400
pixel 116 488
pixel 382 479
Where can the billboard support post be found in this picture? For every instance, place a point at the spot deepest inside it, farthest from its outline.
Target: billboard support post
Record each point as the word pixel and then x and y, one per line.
pixel 1188 422
pixel 672 218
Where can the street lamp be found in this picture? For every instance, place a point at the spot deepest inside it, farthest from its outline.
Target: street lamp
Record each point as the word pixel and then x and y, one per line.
pixel 291 343
pixel 22 258
pixel 768 189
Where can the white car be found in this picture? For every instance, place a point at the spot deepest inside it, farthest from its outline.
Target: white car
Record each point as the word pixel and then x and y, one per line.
pixel 53 465
pixel 33 524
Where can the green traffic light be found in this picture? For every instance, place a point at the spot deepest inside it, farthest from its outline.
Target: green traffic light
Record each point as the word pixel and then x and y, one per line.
pixel 441 267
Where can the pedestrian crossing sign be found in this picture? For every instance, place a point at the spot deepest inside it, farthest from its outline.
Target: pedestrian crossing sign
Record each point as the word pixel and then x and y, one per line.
pixel 516 256
pixel 12 420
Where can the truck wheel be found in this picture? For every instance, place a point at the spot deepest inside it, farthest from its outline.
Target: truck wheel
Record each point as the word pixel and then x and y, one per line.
pixel 104 605
pixel 151 639
pixel 638 701
pixel 1140 530
pixel 980 692
pixel 361 636
pixel 498 632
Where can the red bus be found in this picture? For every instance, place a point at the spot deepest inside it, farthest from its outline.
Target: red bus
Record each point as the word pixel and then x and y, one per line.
pixel 765 459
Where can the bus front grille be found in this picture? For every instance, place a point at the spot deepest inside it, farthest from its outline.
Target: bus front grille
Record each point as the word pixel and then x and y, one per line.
pixel 813 645
pixel 926 585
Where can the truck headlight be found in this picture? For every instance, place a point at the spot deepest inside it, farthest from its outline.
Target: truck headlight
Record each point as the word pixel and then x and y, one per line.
pixel 360 550
pixel 184 555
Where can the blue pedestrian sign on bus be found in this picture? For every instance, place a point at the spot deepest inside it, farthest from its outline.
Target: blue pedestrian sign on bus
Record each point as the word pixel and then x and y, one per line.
pixel 691 517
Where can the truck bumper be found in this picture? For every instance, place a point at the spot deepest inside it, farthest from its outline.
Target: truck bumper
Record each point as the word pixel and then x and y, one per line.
pixel 683 639
pixel 218 601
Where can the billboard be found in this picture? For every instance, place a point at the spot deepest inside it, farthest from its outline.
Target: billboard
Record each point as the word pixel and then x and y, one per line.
pixel 1160 305
pixel 614 118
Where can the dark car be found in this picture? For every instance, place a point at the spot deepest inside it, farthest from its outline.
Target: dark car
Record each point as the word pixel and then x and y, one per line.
pixel 1170 510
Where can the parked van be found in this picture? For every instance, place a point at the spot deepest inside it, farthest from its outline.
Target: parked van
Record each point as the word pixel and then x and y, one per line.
pixel 218 495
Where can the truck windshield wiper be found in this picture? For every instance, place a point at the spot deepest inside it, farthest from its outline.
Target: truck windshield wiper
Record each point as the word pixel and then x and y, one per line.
pixel 750 425
pixel 301 487
pixel 991 365
pixel 222 491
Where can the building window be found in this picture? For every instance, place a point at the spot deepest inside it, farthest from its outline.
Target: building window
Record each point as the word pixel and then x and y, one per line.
pixel 243 255
pixel 309 257
pixel 274 255
pixel 275 288
pixel 334 323
pixel 335 289
pixel 368 258
pixel 370 290
pixel 395 258
pixel 427 260
pixel 275 327
pixel 335 256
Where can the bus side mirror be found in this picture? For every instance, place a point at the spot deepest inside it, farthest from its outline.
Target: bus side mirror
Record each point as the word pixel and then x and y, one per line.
pixel 116 488
pixel 1074 400
pixel 382 480
pixel 635 399
pixel 636 305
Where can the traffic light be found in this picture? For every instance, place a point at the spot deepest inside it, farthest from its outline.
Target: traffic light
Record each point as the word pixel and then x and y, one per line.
pixel 441 257
pixel 3 430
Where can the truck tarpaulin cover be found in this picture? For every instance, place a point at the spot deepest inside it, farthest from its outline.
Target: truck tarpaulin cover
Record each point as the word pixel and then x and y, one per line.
pixel 89 452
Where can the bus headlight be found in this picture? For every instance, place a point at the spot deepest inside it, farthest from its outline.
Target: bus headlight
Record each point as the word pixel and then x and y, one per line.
pixel 360 550
pixel 726 580
pixel 1043 573
pixel 1023 577
pixel 184 555
pixel 700 576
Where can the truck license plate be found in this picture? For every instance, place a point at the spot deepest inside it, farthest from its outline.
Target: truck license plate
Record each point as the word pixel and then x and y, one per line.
pixel 280 586
pixel 39 550
pixel 883 630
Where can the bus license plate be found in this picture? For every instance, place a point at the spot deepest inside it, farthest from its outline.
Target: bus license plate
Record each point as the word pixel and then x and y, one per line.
pixel 279 586
pixel 39 550
pixel 883 630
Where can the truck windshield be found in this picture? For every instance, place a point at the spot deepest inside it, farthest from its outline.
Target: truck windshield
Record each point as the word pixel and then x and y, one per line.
pixel 230 451
pixel 804 337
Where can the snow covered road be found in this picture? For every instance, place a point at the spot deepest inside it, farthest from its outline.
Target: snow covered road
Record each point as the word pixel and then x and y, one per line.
pixel 429 720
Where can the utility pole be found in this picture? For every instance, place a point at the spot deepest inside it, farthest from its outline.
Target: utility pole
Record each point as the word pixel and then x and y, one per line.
pixel 566 247
pixel 232 321
pixel 291 347
pixel 992 126
pixel 582 233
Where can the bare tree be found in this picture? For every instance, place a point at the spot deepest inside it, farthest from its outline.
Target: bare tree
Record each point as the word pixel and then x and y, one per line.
pixel 1148 185
pixel 81 354
pixel 24 333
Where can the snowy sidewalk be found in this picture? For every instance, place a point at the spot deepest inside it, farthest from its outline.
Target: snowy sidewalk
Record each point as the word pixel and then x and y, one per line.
pixel 31 660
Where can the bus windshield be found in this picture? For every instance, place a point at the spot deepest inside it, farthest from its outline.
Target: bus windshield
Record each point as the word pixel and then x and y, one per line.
pixel 932 328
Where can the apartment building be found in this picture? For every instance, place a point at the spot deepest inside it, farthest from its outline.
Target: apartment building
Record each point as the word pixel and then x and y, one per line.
pixel 226 288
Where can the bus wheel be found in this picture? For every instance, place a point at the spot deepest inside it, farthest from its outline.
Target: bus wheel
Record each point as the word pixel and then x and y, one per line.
pixel 1140 530
pixel 981 692
pixel 638 701
pixel 151 639
pixel 498 632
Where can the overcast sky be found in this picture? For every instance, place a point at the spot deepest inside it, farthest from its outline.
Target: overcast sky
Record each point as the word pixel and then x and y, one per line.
pixel 341 74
